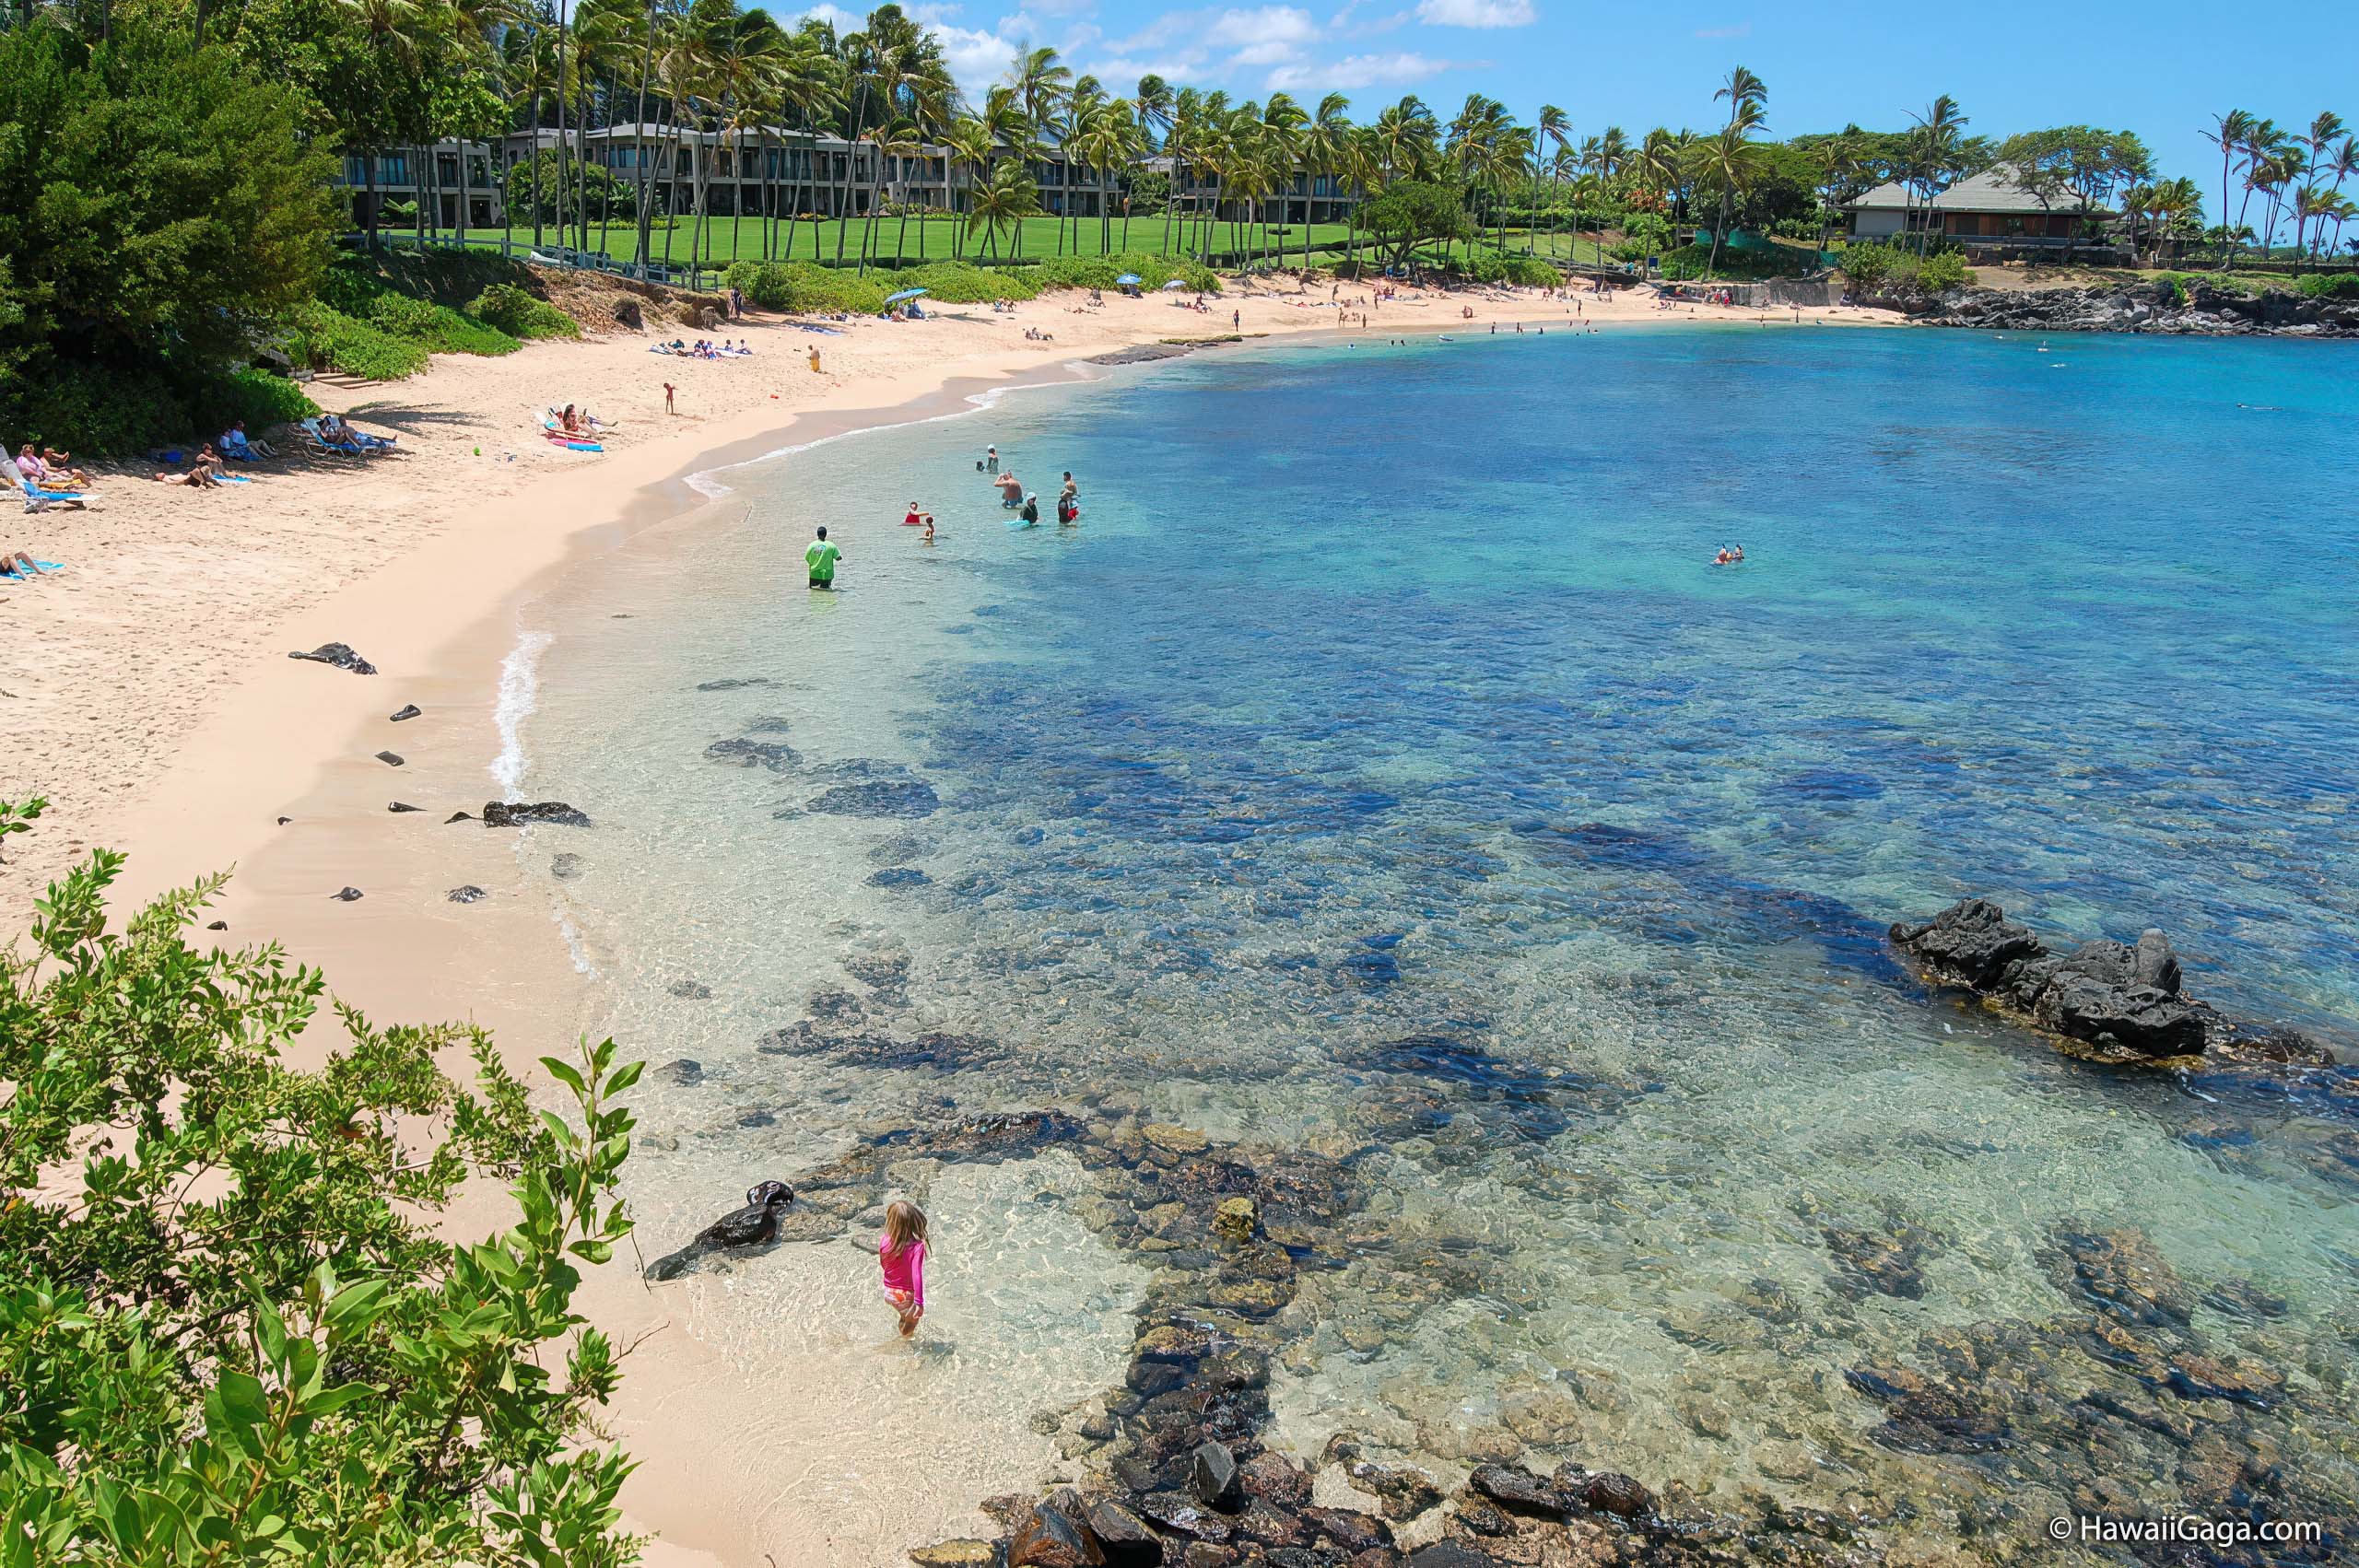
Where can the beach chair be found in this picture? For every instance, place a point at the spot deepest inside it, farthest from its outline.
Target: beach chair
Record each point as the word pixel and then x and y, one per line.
pixel 315 441
pixel 37 498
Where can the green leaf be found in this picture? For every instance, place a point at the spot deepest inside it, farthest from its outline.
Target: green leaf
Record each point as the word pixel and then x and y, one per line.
pixel 565 1075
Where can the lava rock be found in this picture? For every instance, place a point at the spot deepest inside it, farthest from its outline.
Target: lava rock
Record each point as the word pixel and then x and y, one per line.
pixel 684 1072
pixel 1049 1539
pixel 398 806
pixel 500 813
pixel 216 925
pixel 1212 1471
pixel 466 895
pixel 1124 1540
pixel 1184 1515
pixel 340 655
pixel 1452 1554
pixel 390 759
pixel 1354 1531
pixel 409 710
pixel 566 866
pixel 899 876
pixel 1516 1489
pixel 1972 943
pixel 691 990
pixel 346 896
pixel 458 816
pixel 1610 1492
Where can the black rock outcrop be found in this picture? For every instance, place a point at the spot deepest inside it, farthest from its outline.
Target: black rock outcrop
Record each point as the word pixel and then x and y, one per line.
pixel 2122 999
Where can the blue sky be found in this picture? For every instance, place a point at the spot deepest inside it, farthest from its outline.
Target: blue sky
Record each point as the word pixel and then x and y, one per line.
pixel 2160 67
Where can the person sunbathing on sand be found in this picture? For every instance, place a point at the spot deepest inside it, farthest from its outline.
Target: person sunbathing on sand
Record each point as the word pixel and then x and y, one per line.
pixel 21 565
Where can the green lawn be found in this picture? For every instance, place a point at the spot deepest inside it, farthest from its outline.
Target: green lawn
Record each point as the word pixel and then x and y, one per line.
pixel 728 239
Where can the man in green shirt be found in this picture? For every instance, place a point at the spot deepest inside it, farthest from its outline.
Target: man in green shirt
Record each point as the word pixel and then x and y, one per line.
pixel 821 557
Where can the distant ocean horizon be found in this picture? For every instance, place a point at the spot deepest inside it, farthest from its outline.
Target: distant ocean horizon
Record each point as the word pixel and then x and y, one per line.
pixel 1381 781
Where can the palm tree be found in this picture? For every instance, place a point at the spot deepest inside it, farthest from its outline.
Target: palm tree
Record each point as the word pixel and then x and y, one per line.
pixel 1933 152
pixel 1747 98
pixel 2258 151
pixel 1552 125
pixel 1105 142
pixel 1733 161
pixel 1660 165
pixel 1278 151
pixel 2228 133
pixel 1004 202
pixel 399 29
pixel 1152 105
pixel 969 143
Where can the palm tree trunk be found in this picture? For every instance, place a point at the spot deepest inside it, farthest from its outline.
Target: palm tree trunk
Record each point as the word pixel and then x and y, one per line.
pixel 645 217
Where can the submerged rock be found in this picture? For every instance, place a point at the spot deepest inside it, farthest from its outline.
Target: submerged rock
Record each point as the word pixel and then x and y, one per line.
pixel 466 895
pixel 458 816
pixel 565 866
pixel 340 655
pixel 344 895
pixel 899 876
pixel 775 756
pixel 733 682
pixel 880 798
pixel 500 813
pixel 691 990
pixel 399 806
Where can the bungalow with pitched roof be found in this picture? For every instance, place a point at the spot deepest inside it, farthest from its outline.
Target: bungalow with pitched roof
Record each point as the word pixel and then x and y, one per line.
pixel 1984 210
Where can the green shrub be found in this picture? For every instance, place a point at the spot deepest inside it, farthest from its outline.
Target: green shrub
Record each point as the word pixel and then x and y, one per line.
pixel 521 315
pixel 1695 262
pixel 1870 265
pixel 298 1361
pixel 2331 285
pixel 1946 270
pixel 325 338
pixel 259 399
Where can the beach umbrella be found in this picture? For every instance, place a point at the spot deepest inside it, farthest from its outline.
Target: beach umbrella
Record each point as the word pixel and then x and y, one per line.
pixel 1174 282
pixel 1126 280
pixel 905 294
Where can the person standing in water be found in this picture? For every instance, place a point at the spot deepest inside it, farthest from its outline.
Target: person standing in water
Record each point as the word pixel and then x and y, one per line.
pixel 900 1253
pixel 990 460
pixel 821 557
pixel 1068 500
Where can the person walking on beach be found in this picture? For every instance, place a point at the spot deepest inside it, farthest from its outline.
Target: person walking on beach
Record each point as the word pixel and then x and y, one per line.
pixel 668 406
pixel 821 557
pixel 900 1253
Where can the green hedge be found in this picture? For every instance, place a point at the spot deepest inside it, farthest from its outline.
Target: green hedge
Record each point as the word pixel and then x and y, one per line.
pixel 90 412
pixel 802 288
pixel 1695 261
pixel 2331 285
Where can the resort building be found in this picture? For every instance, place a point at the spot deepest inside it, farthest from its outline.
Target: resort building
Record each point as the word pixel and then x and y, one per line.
pixel 1311 198
pixel 1990 210
pixel 730 173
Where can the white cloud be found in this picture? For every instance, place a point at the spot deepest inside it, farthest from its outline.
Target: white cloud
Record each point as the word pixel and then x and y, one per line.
pixel 1356 71
pixel 1475 13
pixel 1266 35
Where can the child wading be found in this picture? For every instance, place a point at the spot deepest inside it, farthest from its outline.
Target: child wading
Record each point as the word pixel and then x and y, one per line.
pixel 901 1251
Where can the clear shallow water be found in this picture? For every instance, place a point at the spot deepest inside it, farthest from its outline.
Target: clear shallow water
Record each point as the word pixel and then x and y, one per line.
pixel 1380 770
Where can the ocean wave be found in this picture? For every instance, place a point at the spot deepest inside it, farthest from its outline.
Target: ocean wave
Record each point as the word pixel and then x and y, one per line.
pixel 520 694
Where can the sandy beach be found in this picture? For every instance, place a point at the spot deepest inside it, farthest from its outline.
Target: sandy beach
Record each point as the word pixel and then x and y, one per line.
pixel 147 692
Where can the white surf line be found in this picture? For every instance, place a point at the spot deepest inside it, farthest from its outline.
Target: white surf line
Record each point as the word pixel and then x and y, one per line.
pixel 520 694
pixel 705 483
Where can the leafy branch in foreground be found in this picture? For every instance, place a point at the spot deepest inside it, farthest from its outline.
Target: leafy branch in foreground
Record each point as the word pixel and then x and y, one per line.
pixel 227 1330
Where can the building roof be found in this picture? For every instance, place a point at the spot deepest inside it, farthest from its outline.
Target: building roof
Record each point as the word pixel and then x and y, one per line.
pixel 1993 190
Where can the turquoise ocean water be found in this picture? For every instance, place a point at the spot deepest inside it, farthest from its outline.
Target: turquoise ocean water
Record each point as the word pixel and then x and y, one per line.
pixel 1380 770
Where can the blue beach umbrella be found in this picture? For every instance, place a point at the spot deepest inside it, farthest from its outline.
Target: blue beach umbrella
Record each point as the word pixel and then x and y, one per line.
pixel 905 294
pixel 1127 278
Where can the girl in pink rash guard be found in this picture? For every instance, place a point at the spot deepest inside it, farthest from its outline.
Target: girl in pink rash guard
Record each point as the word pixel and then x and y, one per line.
pixel 901 1251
